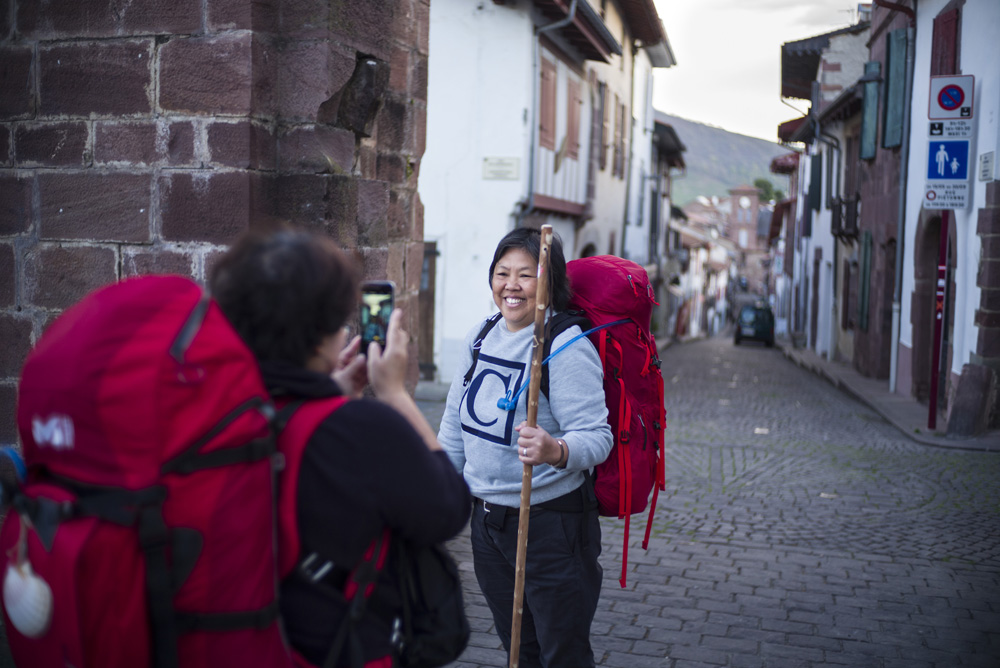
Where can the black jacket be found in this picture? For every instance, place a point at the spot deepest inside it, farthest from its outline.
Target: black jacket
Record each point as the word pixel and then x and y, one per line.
pixel 365 468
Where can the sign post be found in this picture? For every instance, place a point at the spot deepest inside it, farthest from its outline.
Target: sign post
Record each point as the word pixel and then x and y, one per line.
pixel 950 138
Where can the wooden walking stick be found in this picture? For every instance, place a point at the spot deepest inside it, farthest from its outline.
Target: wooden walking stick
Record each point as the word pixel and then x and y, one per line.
pixel 534 385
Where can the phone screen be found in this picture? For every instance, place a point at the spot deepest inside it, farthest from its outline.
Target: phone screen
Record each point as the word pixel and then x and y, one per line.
pixel 377 301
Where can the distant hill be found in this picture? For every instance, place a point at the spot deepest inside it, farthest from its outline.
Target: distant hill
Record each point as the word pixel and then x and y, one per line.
pixel 718 160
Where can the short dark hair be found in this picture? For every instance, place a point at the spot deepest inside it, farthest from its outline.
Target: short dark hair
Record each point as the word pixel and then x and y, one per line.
pixel 284 290
pixel 530 240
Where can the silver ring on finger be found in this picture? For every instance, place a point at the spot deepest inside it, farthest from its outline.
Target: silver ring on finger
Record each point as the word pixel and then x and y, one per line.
pixel 524 452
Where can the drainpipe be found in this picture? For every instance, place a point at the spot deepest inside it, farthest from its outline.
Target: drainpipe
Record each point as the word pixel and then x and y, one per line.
pixel 631 144
pixel 534 108
pixel 904 163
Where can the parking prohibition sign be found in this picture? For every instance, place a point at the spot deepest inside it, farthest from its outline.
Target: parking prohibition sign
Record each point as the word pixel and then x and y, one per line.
pixel 951 97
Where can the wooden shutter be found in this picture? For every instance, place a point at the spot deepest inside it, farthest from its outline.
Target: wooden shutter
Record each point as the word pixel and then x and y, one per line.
pixel 869 113
pixel 944 44
pixel 573 119
pixel 865 280
pixel 605 126
pixel 547 106
pixel 845 296
pixel 615 164
pixel 895 85
pixel 815 182
pixel 623 139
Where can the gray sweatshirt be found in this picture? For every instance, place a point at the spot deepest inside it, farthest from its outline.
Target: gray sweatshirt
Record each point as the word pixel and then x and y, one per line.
pixel 480 438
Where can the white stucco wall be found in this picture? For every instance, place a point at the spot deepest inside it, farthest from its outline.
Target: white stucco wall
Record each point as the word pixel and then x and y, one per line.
pixel 980 56
pixel 471 45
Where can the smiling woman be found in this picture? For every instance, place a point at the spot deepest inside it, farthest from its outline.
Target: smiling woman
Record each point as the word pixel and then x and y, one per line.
pixel 490 443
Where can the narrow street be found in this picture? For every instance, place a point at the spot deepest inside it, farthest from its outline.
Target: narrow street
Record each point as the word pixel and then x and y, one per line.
pixel 797 529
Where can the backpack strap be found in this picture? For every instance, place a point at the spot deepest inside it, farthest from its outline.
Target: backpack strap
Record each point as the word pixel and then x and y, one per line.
pixel 478 344
pixel 555 326
pixel 295 423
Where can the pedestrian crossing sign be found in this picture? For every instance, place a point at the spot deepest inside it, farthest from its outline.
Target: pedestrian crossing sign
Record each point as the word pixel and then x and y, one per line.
pixel 947 160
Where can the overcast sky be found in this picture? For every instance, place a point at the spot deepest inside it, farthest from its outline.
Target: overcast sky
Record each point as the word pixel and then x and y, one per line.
pixel 728 52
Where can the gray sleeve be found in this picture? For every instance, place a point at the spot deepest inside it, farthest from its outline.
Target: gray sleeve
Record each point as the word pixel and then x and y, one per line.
pixel 450 431
pixel 576 400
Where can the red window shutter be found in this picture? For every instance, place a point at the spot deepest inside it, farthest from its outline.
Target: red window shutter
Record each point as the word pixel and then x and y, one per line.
pixel 547 106
pixel 573 119
pixel 944 45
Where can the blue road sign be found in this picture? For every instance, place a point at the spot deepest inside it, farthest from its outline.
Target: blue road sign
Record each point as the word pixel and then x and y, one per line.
pixel 951 97
pixel 948 161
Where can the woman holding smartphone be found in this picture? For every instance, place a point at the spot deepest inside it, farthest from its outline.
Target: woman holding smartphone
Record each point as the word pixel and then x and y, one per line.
pixel 371 464
pixel 490 444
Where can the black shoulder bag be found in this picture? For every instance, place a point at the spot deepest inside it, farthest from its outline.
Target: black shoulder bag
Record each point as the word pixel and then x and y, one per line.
pixel 431 629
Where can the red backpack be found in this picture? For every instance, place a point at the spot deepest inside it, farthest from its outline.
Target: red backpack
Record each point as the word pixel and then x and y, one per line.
pixel 149 503
pixel 615 296
pixel 613 304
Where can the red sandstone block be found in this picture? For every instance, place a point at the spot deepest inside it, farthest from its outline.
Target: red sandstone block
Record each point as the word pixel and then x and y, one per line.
pixel 8 421
pixel 988 343
pixel 204 206
pixel 58 276
pixel 404 24
pixel 207 75
pixel 418 218
pixel 364 26
pixel 317 149
pixel 396 263
pixel 414 264
pixel 15 203
pixel 95 206
pixel 990 246
pixel 15 332
pixel 5 158
pixel 993 193
pixel 375 262
pixel 51 145
pixel 373 209
pixel 988 318
pixel 399 70
pixel 143 261
pixel 309 74
pixel 368 159
pixel 390 126
pixel 423 23
pixel 16 82
pixel 243 144
pixel 418 128
pixel 989 274
pixel 989 220
pixel 102 78
pixel 52 19
pixel 391 167
pixel 305 19
pixel 144 143
pixel 260 15
pixel 418 86
pixel 989 300
pixel 6 275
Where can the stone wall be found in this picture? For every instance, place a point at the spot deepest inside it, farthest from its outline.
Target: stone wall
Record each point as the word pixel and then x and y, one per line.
pixel 144 137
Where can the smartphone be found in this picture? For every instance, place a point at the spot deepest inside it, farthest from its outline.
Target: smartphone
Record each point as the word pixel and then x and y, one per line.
pixel 377 301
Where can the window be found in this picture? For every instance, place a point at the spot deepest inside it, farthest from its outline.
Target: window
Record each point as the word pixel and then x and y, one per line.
pixel 869 112
pixel 547 106
pixel 573 119
pixel 895 84
pixel 744 238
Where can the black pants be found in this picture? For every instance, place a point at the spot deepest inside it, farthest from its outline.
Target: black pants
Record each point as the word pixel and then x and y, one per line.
pixel 562 582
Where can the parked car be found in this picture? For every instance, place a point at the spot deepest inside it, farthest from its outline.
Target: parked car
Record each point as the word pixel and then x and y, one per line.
pixel 756 322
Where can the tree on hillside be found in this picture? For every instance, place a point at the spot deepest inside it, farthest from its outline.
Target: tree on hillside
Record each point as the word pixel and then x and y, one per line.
pixel 765 188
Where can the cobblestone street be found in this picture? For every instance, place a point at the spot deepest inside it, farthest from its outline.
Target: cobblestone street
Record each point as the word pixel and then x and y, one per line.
pixel 797 529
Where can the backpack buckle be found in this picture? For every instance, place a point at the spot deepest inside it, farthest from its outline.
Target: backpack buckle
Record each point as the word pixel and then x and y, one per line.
pixel 624 435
